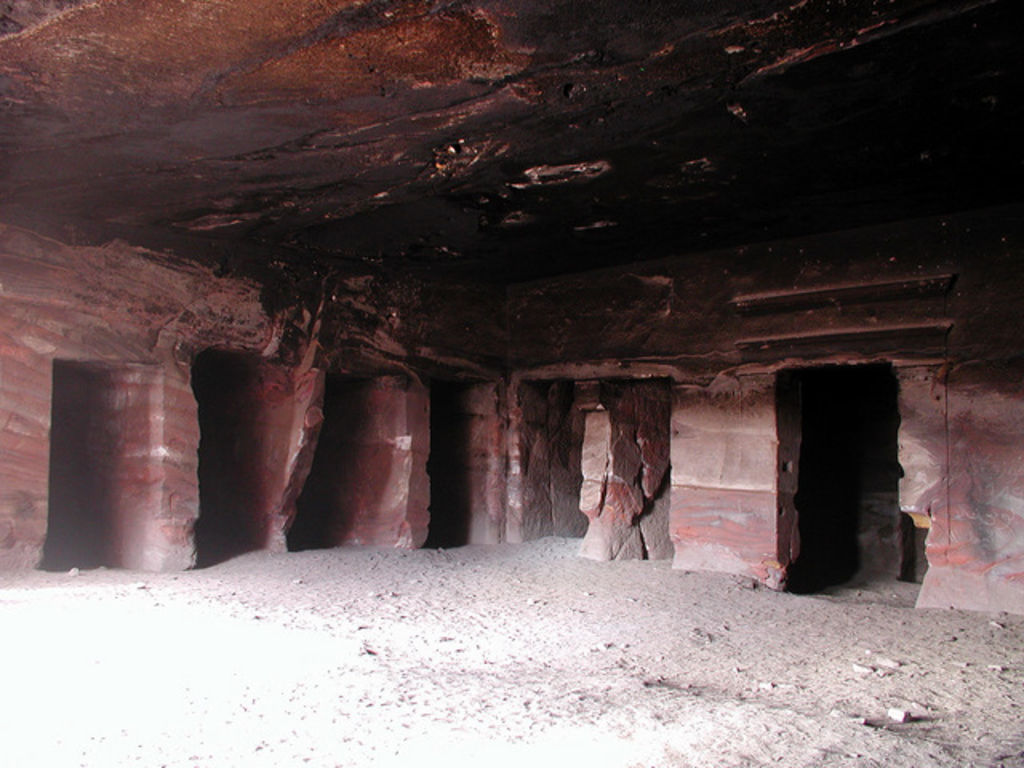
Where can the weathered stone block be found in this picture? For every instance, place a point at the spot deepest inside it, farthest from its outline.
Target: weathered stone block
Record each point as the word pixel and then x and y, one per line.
pixel 624 459
pixel 725 530
pixel 975 549
pixel 724 507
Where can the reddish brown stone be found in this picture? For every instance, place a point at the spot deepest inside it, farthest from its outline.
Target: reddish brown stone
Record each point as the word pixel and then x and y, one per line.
pixel 113 306
pixel 544 437
pixel 975 550
pixel 625 459
pixel 719 529
pixel 259 425
pixel 724 480
pixel 369 482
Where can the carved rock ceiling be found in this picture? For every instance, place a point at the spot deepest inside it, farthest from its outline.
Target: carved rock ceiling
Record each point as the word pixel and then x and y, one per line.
pixel 500 140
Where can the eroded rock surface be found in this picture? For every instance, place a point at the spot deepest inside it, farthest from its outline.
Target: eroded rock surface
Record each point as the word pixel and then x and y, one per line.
pixel 625 461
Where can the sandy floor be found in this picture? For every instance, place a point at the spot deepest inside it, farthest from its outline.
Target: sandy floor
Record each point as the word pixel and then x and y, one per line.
pixel 524 656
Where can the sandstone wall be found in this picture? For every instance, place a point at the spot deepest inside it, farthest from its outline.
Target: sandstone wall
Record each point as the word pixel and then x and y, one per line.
pixel 938 298
pixel 121 307
pixel 975 546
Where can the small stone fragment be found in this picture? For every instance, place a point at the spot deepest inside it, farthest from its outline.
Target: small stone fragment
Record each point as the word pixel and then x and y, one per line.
pixel 882 661
pixel 898 715
pixel 860 669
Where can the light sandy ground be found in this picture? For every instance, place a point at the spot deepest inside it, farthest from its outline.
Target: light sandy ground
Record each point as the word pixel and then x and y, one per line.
pixel 509 656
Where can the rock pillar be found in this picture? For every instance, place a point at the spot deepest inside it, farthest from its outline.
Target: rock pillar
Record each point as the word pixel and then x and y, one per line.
pixel 727 512
pixel 975 549
pixel 122 478
pixel 625 461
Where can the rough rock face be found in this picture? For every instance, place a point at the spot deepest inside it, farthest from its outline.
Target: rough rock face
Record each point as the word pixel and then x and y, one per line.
pixel 520 138
pixel 369 482
pixel 625 460
pixel 545 435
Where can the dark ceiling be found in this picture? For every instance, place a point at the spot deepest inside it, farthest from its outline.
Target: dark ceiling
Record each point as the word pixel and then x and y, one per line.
pixel 501 140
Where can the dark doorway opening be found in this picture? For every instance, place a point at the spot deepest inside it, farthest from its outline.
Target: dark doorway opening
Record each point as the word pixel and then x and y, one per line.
pixel 231 472
pixel 450 466
pixel 101 487
pixel 343 475
pixel 848 484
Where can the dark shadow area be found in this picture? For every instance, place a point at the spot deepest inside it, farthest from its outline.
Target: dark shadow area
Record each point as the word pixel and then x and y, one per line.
pixel 80 524
pixel 847 500
pixel 229 523
pixel 913 558
pixel 325 505
pixel 449 466
pixel 565 433
pixel 101 481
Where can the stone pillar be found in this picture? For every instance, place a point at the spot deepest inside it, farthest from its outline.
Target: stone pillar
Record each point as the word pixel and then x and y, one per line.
pixel 514 503
pixel 975 548
pixel 179 448
pixel 304 409
pixel 923 446
pixel 369 482
pixel 25 382
pixel 725 512
pixel 625 460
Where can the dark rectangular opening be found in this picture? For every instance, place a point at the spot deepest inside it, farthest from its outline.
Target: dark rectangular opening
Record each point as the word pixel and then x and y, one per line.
pixel 847 499
pixel 450 465
pixel 232 475
pixel 101 485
